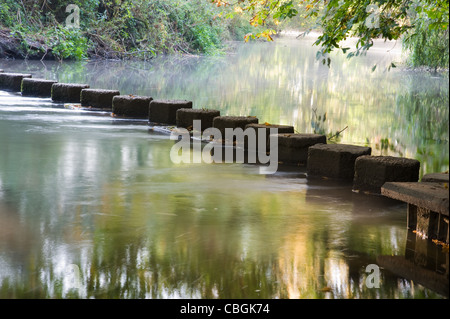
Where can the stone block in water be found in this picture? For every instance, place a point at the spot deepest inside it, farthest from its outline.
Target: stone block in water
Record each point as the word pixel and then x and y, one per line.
pixel 281 128
pixel 165 111
pixel 131 106
pixel 267 127
pixel 233 122
pixel 98 98
pixel 334 160
pixel 293 148
pixel 436 178
pixel 371 172
pixel 185 117
pixel 37 87
pixel 12 81
pixel 427 212
pixel 67 92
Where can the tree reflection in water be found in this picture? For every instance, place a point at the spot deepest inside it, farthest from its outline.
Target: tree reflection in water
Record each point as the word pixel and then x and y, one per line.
pixel 81 190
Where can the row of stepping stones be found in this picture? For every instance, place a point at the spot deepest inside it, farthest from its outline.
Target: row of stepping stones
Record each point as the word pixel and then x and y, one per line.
pixel 338 161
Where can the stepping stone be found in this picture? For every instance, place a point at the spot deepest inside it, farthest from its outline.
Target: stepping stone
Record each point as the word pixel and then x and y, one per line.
pixel 67 92
pixel 267 127
pixel 371 172
pixel 131 106
pixel 185 117
pixel 293 148
pixel 431 196
pixel 37 87
pixel 97 98
pixel 233 122
pixel 334 160
pixel 435 178
pixel 427 212
pixel 233 154
pixel 12 81
pixel 165 111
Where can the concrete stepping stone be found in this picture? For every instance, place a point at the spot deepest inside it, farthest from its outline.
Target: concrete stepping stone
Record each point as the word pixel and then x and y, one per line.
pixel 371 172
pixel 431 196
pixel 165 111
pixel 233 122
pixel 67 92
pixel 435 178
pixel 12 81
pixel 185 117
pixel 98 98
pixel 37 87
pixel 131 106
pixel 334 160
pixel 428 207
pixel 267 127
pixel 293 148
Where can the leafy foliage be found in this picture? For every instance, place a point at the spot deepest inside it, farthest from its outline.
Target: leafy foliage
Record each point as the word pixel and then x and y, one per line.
pixel 427 45
pixel 68 43
pixel 339 19
pixel 122 28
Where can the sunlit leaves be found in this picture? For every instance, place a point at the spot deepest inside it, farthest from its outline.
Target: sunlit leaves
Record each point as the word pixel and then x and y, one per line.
pixel 340 19
pixel 265 14
pixel 286 10
pixel 427 44
pixel 267 34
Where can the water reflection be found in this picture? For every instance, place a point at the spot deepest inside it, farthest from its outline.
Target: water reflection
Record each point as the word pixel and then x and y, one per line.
pixel 136 226
pixel 92 206
pixel 424 263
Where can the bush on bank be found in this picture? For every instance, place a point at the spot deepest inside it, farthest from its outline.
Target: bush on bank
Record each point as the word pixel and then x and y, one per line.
pixel 115 28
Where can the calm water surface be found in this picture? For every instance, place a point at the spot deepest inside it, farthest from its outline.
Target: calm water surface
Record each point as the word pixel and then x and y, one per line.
pixel 92 206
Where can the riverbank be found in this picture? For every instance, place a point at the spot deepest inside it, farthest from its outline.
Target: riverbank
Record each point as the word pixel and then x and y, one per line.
pixel 11 47
pixel 140 30
pixel 16 45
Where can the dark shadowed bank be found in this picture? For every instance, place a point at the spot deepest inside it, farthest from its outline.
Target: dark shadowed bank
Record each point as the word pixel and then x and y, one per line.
pixel 11 47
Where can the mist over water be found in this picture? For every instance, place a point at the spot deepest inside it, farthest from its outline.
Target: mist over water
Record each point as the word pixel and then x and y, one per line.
pixel 80 188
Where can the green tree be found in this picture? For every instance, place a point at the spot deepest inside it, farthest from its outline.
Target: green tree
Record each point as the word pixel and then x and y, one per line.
pixel 339 19
pixel 427 45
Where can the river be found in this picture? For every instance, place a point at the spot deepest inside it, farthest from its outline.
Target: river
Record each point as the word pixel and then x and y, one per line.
pixel 91 206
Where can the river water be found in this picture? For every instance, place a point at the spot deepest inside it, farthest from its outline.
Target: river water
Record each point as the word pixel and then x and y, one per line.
pixel 92 207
